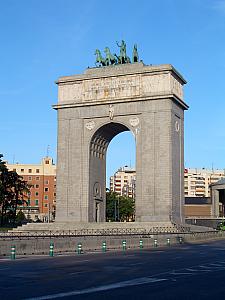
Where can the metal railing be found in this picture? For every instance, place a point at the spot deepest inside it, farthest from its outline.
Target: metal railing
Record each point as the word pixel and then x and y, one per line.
pixel 94 232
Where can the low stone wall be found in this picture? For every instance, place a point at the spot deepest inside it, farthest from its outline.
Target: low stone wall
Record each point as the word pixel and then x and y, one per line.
pixel 207 222
pixel 40 244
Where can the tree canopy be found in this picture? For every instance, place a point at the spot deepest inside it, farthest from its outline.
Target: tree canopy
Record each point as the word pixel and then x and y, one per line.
pixel 119 208
pixel 14 191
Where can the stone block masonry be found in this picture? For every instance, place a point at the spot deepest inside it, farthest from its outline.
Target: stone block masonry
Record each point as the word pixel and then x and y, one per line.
pixel 96 106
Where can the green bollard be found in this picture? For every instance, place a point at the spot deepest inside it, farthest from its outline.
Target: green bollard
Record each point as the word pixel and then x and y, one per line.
pixel 104 246
pixel 141 244
pixel 168 242
pixel 155 243
pixel 124 244
pixel 51 249
pixel 79 248
pixel 13 252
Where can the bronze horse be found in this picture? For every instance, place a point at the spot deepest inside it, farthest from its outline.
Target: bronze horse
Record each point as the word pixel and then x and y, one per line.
pixel 100 61
pixel 110 59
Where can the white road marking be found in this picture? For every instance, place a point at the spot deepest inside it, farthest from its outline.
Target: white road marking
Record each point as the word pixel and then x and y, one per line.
pixel 81 261
pixel 135 264
pixel 206 268
pixel 192 270
pixel 180 273
pixel 121 284
pixel 77 273
pixel 217 265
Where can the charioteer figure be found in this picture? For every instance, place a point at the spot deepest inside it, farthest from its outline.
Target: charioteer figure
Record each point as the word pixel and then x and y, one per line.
pixel 123 58
pixel 113 59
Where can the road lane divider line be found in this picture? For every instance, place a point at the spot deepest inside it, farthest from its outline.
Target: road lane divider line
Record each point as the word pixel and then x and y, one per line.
pixel 121 284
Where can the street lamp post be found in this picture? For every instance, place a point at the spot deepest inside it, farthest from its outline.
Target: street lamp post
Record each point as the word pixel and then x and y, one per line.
pixel 118 209
pixel 49 212
pixel 115 210
pixel 28 212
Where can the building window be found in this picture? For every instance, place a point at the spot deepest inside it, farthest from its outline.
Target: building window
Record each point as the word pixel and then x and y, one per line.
pixel 29 177
pixel 37 178
pixel 36 186
pixel 46 189
pixel 22 170
pixel 46 205
pixel 37 171
pixel 36 193
pixel 54 194
pixel 46 181
pixel 46 197
pixel 47 162
pixel 14 170
pixel 36 202
pixel 29 170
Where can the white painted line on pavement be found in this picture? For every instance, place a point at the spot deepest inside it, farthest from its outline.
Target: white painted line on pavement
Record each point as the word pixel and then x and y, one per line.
pixel 181 273
pixel 121 284
pixel 135 264
pixel 217 265
pixel 81 261
pixel 191 270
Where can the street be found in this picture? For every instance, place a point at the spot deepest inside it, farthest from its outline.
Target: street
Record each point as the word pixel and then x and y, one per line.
pixel 188 271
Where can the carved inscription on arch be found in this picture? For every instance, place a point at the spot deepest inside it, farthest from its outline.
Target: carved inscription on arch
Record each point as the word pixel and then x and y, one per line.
pixel 111 88
pixel 119 87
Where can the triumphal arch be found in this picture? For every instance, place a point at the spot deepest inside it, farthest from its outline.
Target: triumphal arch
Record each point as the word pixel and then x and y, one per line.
pixel 93 108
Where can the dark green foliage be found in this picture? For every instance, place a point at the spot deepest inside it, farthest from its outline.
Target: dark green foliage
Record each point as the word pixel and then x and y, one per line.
pixel 119 208
pixel 20 217
pixel 13 192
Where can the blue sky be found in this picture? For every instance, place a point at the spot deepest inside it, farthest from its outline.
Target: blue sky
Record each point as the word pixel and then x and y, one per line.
pixel 44 39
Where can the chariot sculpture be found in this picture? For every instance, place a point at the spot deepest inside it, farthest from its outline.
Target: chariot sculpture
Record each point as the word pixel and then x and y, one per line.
pixel 114 59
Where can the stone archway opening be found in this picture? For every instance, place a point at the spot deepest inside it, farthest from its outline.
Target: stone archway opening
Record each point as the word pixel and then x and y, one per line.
pixel 97 168
pixel 121 178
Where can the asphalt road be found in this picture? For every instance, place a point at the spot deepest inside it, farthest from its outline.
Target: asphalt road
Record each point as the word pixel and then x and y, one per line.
pixel 182 272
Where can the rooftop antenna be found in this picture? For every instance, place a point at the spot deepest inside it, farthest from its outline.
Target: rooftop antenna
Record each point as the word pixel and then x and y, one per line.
pixel 47 152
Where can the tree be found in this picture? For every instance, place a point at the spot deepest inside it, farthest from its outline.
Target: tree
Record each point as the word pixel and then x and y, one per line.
pixel 13 192
pixel 3 188
pixel 119 208
pixel 126 208
pixel 20 217
pixel 19 191
pixel 111 206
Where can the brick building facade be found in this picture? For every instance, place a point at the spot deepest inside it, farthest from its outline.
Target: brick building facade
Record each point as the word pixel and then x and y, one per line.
pixel 42 178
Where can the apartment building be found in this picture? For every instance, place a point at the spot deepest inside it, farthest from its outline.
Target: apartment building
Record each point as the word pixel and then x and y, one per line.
pixel 123 182
pixel 42 178
pixel 198 201
pixel 197 181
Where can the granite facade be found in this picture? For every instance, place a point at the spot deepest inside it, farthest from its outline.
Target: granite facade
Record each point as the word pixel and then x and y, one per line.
pixel 93 108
